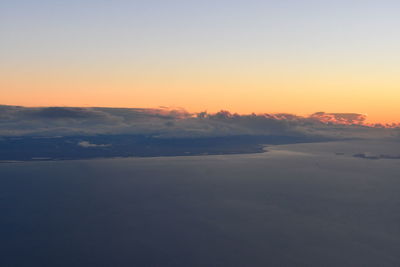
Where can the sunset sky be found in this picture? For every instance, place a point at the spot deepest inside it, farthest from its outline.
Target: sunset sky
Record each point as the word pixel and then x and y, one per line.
pixel 293 56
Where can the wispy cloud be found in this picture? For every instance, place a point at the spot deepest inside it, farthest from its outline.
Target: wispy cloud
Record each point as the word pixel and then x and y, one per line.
pixel 87 144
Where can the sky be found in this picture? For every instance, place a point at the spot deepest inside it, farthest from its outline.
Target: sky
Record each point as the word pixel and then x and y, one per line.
pixel 248 56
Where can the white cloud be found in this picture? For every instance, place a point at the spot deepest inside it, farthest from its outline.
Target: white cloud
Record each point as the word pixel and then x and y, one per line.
pixel 87 144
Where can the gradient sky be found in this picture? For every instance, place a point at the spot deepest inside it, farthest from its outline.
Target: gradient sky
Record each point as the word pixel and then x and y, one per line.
pixel 245 56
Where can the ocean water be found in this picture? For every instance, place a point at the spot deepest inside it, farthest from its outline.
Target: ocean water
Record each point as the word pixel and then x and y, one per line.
pixel 296 205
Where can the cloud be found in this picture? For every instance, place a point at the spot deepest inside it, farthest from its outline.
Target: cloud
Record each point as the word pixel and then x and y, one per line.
pixel 87 144
pixel 369 155
pixel 166 122
pixel 340 118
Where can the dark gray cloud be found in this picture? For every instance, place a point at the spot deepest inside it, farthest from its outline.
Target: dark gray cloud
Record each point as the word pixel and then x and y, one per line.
pixel 369 155
pixel 51 121
pixel 64 113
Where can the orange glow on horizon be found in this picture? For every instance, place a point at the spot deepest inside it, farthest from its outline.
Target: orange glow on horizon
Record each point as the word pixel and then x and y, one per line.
pixel 264 57
pixel 243 93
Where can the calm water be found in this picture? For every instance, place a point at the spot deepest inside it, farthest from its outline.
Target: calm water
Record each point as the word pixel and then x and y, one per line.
pixel 272 209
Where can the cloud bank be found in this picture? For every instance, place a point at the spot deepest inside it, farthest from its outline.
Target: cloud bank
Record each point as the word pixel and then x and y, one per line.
pixel 164 122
